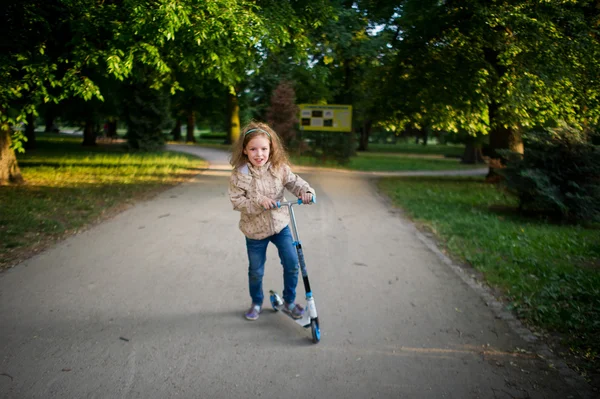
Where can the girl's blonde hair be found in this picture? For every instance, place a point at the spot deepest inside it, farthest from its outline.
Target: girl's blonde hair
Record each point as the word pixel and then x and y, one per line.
pixel 277 155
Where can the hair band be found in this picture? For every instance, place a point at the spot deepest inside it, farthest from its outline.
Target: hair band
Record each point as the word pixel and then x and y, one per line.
pixel 257 129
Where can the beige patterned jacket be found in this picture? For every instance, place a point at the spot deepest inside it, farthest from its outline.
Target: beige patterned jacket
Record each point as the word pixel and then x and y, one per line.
pixel 249 185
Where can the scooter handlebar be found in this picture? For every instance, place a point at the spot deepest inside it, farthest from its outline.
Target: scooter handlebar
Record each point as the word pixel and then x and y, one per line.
pixel 297 202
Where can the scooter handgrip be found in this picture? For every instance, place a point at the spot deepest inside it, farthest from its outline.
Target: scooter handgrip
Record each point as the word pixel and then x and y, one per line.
pixel 313 200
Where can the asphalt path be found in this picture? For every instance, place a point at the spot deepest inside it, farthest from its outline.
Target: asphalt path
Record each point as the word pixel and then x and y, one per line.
pixel 149 304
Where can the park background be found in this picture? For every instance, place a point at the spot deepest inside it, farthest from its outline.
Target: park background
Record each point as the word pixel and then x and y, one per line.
pixel 93 90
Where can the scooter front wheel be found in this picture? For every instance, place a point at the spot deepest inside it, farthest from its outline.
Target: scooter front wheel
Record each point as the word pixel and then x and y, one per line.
pixel 316 331
pixel 275 301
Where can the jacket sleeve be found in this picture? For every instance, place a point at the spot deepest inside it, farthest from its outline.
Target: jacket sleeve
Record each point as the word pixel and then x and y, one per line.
pixel 241 197
pixel 294 183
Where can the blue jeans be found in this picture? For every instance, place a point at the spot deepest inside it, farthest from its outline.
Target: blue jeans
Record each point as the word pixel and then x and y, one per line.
pixel 257 256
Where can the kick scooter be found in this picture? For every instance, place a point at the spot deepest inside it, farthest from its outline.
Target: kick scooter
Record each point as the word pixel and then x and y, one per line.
pixel 310 318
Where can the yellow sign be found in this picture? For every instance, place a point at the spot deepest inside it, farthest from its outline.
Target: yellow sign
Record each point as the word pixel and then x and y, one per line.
pixel 326 118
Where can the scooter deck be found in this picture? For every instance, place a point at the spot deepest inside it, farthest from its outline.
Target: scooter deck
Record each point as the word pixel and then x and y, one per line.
pixel 304 321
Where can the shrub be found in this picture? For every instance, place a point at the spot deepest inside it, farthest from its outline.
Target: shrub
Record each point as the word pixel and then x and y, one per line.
pixel 213 136
pixel 559 174
pixel 326 146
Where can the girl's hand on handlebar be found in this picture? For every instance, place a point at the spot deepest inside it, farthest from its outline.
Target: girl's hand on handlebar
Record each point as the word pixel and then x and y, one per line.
pixel 268 203
pixel 306 198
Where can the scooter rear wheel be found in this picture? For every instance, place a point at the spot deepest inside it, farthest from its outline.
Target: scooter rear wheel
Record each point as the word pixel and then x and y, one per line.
pixel 316 331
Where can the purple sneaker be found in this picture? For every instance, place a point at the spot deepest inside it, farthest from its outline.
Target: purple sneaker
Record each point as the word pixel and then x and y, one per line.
pixel 293 309
pixel 253 312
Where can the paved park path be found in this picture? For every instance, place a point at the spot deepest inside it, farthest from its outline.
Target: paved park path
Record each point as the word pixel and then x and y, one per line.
pixel 149 304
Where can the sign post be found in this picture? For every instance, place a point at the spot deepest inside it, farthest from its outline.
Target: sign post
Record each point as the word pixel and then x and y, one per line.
pixel 325 118
pixel 320 127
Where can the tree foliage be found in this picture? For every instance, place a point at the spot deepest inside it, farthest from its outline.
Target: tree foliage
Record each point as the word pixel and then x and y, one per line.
pixel 478 67
pixel 497 68
pixel 59 49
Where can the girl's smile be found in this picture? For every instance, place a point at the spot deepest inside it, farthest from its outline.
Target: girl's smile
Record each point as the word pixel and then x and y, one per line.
pixel 258 150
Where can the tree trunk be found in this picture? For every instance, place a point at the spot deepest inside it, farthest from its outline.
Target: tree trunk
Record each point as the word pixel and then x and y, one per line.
pixel 422 135
pixel 89 136
pixel 112 129
pixel 9 168
pixel 30 144
pixel 49 122
pixel 233 118
pixel 176 132
pixel 191 126
pixel 515 141
pixel 501 138
pixel 365 133
pixel 472 154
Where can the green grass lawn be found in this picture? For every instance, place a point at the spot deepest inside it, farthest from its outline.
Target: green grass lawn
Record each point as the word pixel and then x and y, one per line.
pixel 375 162
pixel 550 273
pixel 402 156
pixel 69 186
pixel 406 147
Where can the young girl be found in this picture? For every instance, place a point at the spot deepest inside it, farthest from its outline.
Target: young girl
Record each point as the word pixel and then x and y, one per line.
pixel 261 172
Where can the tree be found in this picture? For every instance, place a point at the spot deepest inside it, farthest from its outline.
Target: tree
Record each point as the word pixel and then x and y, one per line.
pixel 496 68
pixel 9 169
pixel 282 115
pixel 25 69
pixel 146 113
pixel 351 48
pixel 280 25
pixel 52 48
pixel 311 80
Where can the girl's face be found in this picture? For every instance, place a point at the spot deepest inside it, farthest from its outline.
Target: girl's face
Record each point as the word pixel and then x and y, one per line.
pixel 258 150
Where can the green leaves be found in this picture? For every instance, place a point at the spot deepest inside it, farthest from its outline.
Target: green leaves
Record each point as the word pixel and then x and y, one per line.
pixel 217 39
pixel 532 59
